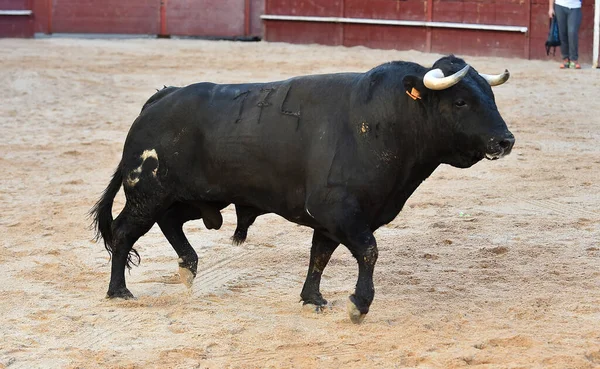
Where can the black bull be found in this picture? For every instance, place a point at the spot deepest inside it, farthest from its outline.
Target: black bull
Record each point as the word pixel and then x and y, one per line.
pixel 340 153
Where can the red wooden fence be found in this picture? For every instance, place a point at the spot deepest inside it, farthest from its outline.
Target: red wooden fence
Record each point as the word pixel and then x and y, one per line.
pixel 107 16
pixel 206 17
pixel 203 18
pixel 241 18
pixel 16 18
pixel 437 36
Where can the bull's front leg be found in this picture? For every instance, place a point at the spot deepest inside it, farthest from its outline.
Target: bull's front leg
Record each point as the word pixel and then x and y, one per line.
pixel 342 216
pixel 366 254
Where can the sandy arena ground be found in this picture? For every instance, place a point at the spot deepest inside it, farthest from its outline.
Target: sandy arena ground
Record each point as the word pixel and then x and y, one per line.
pixel 513 282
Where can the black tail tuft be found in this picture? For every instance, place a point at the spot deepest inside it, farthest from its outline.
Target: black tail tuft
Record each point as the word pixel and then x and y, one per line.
pixel 133 258
pixel 102 214
pixel 239 236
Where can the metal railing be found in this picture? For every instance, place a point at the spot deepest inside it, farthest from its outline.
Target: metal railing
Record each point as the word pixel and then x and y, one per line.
pixel 390 22
pixel 16 12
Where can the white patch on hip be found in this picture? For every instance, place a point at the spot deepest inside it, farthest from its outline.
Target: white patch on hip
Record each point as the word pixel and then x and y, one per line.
pixel 134 175
pixel 148 154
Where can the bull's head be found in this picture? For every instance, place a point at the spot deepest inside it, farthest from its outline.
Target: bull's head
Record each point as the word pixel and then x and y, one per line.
pixel 463 104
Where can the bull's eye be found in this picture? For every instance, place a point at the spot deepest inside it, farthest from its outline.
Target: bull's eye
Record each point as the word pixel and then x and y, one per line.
pixel 460 103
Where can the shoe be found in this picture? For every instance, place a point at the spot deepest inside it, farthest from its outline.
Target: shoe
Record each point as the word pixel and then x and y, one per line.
pixel 565 64
pixel 574 65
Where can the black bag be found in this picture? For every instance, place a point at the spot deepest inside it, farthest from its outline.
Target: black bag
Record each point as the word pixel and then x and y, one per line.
pixel 553 38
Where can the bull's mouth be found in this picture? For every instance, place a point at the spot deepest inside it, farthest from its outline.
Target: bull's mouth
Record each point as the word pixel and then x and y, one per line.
pixel 494 156
pixel 499 150
pixel 494 150
pixel 497 153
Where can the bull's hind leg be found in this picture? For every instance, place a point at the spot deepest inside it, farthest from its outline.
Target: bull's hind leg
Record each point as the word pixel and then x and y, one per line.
pixel 171 224
pixel 320 253
pixel 129 226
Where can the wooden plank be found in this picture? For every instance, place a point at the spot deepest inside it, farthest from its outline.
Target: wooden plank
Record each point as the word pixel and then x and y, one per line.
pixel 506 12
pixel 429 19
pixel 478 43
pixel 15 27
pixel 16 18
pixel 257 8
pixel 107 16
pixel 40 15
pixel 321 8
pixel 385 37
pixel 448 11
pixel 304 32
pixel 15 5
pixel 527 54
pixel 206 18
pixel 386 9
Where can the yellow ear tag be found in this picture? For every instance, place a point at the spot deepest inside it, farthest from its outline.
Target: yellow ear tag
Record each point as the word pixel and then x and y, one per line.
pixel 414 94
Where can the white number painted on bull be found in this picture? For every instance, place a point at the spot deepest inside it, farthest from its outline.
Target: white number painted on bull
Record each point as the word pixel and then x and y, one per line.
pixel 134 175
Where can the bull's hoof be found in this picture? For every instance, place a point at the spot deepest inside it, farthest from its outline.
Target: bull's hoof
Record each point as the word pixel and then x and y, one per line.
pixel 317 309
pixel 353 312
pixel 121 293
pixel 186 276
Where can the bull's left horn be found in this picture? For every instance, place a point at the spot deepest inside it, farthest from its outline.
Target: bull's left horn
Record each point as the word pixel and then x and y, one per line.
pixel 435 80
pixel 497 79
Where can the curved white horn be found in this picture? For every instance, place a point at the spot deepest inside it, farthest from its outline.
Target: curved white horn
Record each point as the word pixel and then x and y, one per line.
pixel 496 79
pixel 435 80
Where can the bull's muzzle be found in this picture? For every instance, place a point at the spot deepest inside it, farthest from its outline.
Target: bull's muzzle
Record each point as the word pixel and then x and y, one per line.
pixel 500 146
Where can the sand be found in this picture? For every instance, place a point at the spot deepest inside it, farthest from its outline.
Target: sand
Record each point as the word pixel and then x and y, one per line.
pixel 496 266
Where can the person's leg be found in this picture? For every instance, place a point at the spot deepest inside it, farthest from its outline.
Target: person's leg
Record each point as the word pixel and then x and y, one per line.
pixel 562 19
pixel 573 24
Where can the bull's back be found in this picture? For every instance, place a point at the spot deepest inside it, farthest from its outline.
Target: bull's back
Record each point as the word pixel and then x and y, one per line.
pixel 248 143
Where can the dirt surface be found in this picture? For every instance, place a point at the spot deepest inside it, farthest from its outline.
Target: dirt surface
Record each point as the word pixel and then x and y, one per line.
pixel 496 266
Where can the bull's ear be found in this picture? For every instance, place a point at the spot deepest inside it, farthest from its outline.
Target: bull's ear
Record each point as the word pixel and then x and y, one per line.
pixel 414 86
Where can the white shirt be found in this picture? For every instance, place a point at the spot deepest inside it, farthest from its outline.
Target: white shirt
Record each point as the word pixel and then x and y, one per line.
pixel 569 3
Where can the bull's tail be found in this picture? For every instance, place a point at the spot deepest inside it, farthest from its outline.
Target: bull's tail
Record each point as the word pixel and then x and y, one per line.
pixel 159 95
pixel 102 211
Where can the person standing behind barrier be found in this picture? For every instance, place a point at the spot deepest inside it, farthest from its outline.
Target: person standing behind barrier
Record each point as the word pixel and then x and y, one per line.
pixel 568 17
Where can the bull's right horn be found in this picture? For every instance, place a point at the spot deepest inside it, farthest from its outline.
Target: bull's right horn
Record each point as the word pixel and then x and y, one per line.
pixel 435 80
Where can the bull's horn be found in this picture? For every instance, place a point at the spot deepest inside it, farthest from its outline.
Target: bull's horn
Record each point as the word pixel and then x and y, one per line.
pixel 497 79
pixel 435 80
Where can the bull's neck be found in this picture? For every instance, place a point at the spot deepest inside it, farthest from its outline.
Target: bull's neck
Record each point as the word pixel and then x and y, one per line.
pixel 419 152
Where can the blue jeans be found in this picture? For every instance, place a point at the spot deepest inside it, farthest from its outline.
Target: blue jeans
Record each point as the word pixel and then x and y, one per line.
pixel 568 21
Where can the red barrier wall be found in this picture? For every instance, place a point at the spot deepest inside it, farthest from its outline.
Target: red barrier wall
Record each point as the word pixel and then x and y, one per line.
pixel 16 25
pixel 532 14
pixel 239 18
pixel 107 16
pixel 203 18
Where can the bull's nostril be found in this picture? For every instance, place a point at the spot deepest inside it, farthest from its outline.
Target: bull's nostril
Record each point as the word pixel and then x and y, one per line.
pixel 506 143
